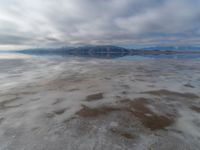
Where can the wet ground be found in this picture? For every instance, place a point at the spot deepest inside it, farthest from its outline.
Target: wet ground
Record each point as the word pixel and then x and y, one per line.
pixel 80 104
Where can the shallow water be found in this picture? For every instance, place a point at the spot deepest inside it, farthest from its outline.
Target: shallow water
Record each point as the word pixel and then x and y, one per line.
pixel 80 103
pixel 115 56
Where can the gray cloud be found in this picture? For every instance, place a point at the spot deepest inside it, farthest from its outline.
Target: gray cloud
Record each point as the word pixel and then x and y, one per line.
pixel 65 22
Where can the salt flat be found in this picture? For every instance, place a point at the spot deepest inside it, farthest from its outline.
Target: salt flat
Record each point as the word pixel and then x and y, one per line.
pixel 92 104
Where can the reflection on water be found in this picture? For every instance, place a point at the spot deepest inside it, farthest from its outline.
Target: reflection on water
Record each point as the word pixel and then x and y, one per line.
pixel 132 56
pixel 162 56
pixel 108 55
pixel 14 56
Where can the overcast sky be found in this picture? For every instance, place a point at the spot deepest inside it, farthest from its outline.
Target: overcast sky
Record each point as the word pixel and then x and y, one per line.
pixel 49 23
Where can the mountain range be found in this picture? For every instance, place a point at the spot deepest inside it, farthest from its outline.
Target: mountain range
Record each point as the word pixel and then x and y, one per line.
pixel 109 51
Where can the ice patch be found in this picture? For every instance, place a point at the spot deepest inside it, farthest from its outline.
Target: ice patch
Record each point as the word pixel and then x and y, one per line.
pixel 188 123
pixel 113 124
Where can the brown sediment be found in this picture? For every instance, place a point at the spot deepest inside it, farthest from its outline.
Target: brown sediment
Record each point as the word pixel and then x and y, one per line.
pixel 95 112
pixel 137 107
pixel 156 122
pixel 149 119
pixel 73 89
pixel 127 135
pixel 125 100
pixel 60 83
pixel 197 109
pixel 94 97
pixel 164 92
pixel 123 134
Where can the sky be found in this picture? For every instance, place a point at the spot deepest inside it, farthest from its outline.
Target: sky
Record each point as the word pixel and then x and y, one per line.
pixel 54 23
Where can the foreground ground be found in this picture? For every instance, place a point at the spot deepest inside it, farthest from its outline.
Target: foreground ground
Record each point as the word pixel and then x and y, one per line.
pixel 77 104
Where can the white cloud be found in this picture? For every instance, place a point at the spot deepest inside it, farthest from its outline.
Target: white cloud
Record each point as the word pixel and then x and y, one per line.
pixel 63 22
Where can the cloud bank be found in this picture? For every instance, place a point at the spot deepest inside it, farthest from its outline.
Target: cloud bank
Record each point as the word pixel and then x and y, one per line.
pixel 25 23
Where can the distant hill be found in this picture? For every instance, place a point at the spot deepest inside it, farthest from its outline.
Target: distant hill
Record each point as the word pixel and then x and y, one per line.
pixel 173 48
pixel 84 51
pixel 108 51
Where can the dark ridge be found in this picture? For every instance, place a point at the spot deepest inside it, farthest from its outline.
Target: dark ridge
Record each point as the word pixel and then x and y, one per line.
pixel 105 51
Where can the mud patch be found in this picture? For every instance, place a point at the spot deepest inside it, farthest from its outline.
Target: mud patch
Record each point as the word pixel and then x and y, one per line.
pixel 95 112
pixel 137 107
pixel 149 119
pixel 125 100
pixel 123 134
pixel 164 92
pixel 94 97
pixel 197 109
pixel 73 89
